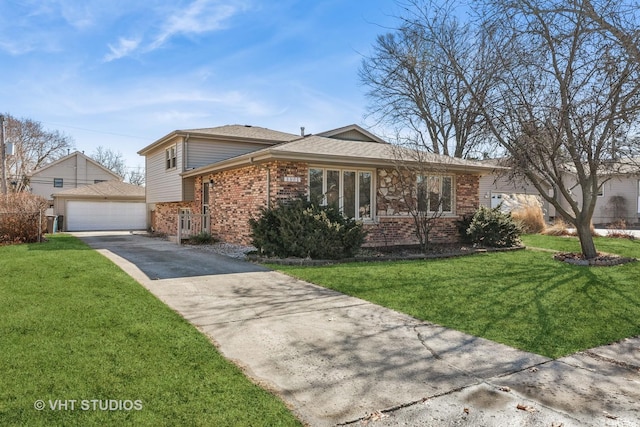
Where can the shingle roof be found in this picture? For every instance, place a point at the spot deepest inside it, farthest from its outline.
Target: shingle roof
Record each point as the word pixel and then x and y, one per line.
pixel 336 151
pixel 245 131
pixel 106 189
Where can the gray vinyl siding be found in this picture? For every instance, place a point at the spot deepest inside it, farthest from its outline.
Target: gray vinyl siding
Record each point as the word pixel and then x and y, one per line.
pixel 74 171
pixel 163 185
pixel 352 135
pixel 202 153
pixel 625 186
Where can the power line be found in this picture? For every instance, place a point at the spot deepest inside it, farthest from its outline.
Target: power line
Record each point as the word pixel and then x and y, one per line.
pixel 98 131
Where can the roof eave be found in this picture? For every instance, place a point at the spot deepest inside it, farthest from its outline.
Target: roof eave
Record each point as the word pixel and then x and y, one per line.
pixel 251 158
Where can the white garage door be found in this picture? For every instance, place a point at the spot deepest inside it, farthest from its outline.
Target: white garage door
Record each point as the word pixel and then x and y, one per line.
pixel 93 216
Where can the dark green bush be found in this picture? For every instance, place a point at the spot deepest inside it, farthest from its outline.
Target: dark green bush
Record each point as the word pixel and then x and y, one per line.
pixel 299 228
pixel 494 228
pixel 202 238
pixel 463 227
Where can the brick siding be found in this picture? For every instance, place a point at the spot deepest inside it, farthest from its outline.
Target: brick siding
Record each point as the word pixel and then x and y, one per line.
pixel 238 195
pixel 165 217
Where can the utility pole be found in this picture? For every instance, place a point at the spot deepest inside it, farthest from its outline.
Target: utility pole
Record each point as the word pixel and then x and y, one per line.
pixel 3 155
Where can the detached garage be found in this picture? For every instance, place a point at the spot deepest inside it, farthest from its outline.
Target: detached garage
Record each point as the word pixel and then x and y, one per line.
pixel 109 205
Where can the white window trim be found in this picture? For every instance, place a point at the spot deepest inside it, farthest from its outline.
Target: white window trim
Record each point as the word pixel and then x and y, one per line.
pixel 372 192
pixel 171 156
pixel 451 212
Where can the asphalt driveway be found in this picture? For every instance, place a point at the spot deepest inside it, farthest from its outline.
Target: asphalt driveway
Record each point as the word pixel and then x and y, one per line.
pixel 159 259
pixel 339 360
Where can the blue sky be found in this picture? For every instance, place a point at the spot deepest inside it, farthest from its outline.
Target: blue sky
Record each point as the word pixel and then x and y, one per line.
pixel 123 73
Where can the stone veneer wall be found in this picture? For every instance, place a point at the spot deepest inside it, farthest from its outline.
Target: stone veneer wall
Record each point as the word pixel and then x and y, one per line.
pixel 395 226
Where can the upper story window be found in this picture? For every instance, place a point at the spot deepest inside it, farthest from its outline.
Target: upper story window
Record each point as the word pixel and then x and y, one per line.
pixel 57 182
pixel 350 191
pixel 170 157
pixel 435 193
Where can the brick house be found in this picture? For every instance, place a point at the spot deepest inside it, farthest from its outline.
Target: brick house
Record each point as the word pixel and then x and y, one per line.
pixel 217 178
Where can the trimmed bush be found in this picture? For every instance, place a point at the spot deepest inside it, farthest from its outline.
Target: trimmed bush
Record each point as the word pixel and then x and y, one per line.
pixel 494 228
pixel 299 228
pixel 22 218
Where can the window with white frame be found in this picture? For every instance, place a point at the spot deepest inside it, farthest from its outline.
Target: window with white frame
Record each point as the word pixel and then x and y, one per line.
pixel 349 190
pixel 435 193
pixel 170 157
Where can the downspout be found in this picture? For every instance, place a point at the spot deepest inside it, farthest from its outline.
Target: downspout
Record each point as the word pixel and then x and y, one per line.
pixel 185 152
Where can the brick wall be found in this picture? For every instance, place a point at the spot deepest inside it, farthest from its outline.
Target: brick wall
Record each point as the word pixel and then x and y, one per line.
pixel 165 217
pixel 238 195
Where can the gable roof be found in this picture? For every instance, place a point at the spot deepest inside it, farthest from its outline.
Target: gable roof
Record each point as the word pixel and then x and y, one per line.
pixel 68 156
pixel 339 133
pixel 105 190
pixel 240 133
pixel 323 150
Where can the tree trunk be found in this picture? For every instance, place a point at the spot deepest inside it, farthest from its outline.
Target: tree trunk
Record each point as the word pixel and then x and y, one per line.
pixel 586 239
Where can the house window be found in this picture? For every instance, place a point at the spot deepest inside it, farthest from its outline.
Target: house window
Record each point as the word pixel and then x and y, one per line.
pixel 57 182
pixel 170 157
pixel 435 193
pixel 97 181
pixel 350 191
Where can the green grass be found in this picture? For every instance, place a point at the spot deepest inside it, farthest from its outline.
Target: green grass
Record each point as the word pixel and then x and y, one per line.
pixel 74 327
pixel 524 299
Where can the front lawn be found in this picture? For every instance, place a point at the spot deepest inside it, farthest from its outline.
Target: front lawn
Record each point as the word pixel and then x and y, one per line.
pixel 84 344
pixel 524 299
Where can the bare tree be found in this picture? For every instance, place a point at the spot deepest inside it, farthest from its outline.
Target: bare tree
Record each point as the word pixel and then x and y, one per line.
pixel 136 176
pixel 411 84
pixel 114 161
pixel 426 189
pixel 567 92
pixel 34 147
pixel 111 160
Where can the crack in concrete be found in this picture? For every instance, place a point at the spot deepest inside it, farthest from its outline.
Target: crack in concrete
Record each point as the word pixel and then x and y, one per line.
pixel 619 363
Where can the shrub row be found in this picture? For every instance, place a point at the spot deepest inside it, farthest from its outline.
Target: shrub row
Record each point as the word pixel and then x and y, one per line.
pixel 22 218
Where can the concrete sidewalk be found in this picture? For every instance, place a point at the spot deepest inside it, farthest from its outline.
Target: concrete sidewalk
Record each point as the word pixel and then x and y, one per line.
pixel 337 360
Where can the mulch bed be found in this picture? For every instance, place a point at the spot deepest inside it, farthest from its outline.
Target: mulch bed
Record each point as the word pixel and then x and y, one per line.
pixel 602 260
pixel 401 253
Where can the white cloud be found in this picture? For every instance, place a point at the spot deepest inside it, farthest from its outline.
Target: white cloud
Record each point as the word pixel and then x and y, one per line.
pixel 123 48
pixel 201 16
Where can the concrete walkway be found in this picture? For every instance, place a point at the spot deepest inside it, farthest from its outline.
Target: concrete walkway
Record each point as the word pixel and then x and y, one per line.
pixel 338 360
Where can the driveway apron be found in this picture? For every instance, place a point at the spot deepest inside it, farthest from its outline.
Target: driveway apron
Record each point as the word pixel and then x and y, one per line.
pixel 336 359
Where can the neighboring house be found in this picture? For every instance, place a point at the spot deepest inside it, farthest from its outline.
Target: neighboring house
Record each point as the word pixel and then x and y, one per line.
pixel 618 199
pixel 500 184
pixel 108 205
pixel 216 179
pixel 72 171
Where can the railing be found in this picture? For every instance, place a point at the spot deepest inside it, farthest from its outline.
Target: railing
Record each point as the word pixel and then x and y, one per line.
pixel 190 224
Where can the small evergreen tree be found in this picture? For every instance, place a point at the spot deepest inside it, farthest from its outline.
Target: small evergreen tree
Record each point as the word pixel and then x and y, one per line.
pixel 299 228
